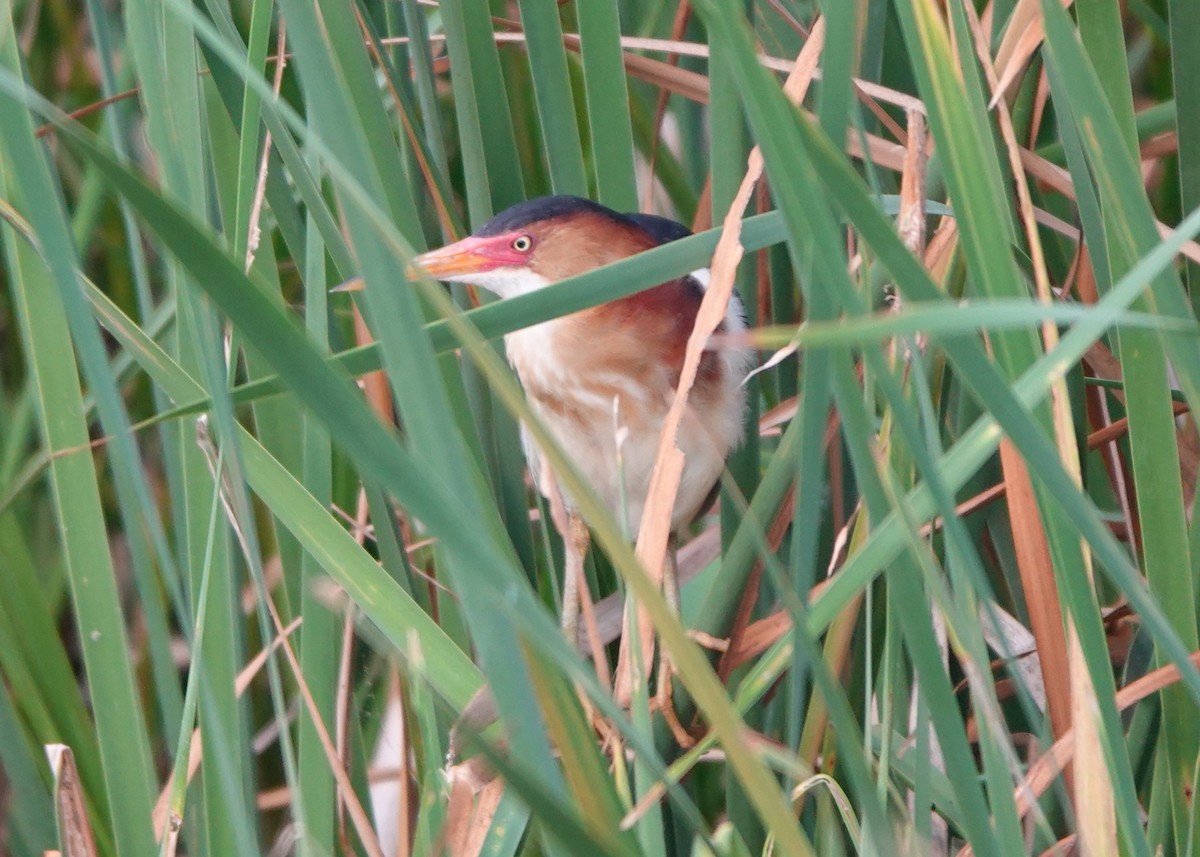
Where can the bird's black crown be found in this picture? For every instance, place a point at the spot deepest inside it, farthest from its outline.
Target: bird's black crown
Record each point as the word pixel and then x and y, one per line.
pixel 662 229
pixel 545 208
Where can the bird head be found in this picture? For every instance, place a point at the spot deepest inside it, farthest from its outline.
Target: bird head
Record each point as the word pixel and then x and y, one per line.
pixel 536 243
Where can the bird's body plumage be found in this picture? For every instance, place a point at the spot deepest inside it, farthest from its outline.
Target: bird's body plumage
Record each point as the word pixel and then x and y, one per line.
pixel 609 372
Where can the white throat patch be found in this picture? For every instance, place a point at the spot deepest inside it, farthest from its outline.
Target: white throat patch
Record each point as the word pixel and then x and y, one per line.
pixel 507 282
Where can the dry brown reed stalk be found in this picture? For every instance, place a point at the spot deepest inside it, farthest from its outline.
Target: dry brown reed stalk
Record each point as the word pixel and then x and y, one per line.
pixel 655 530
pixel 70 804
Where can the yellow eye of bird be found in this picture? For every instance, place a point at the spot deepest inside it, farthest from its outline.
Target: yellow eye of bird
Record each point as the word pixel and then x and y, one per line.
pixel 522 243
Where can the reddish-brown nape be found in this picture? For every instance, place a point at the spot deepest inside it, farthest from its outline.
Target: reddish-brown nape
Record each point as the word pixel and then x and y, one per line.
pixel 640 337
pixel 581 241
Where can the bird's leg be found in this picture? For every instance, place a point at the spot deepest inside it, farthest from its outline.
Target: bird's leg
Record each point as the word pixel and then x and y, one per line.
pixel 575 538
pixel 671 575
pixel 666 668
pixel 575 546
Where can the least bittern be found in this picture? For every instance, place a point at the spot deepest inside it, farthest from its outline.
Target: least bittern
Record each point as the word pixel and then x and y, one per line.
pixel 621 357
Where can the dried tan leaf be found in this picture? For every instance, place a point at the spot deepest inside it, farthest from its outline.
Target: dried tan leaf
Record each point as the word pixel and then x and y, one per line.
pixel 664 482
pixel 1092 788
pixel 1022 37
pixel 481 818
pixel 679 81
pixel 70 808
pixel 459 809
pixel 1066 847
pixel 910 222
pixel 1189 461
pixel 782 413
pixel 758 637
pixel 939 254
pixel 1036 570
pixel 773 361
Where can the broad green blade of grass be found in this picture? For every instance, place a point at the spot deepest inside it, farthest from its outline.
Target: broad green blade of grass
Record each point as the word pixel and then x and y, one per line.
pixel 485 128
pixel 693 670
pixel 874 833
pixel 607 94
pixel 1093 532
pixel 811 227
pixel 337 398
pixel 552 93
pixel 490 140
pixel 840 58
pixel 321 641
pixel 122 735
pixel 33 816
pixel 577 293
pixel 585 768
pixel 179 767
pixel 976 444
pixel 1185 79
pixel 1100 31
pixel 691 666
pixel 120 121
pixel 807 225
pixel 813 386
pixel 165 51
pixel 728 165
pixel 730 146
pixel 421 62
pixel 36 662
pixel 145 533
pixel 250 126
pixel 981 375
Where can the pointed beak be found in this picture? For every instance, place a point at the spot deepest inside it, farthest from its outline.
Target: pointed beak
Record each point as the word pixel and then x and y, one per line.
pixel 460 259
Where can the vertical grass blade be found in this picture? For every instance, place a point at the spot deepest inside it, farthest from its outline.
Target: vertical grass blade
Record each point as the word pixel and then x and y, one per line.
pixel 609 123
pixel 553 96
pixel 123 739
